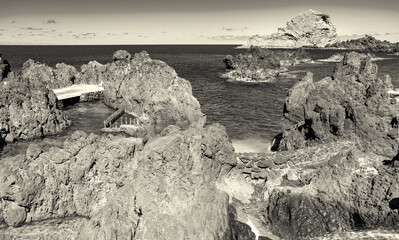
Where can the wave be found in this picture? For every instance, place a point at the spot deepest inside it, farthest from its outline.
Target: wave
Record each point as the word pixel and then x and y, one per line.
pixel 251 145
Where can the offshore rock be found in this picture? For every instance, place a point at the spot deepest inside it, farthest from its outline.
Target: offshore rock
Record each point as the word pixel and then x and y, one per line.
pixel 38 73
pixel 164 189
pixel 310 28
pixel 352 104
pixel 262 65
pixel 366 43
pixel 28 111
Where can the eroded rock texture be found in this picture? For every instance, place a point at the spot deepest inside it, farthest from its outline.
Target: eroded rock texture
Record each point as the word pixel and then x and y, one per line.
pixel 28 111
pixel 310 28
pixel 163 189
pixel 5 68
pixel 39 73
pixel 352 104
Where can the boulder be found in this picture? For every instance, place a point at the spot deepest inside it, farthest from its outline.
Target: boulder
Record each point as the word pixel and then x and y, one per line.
pixel 122 55
pixel 13 214
pixel 310 28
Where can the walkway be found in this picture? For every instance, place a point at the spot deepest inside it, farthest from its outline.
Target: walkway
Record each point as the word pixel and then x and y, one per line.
pixel 76 91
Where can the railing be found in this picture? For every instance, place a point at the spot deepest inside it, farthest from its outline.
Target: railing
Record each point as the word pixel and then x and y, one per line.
pixel 112 121
pixel 113 118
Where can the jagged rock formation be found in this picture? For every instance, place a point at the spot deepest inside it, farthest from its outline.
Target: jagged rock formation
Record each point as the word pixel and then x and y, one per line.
pixel 352 104
pixel 38 73
pixel 338 175
pixel 310 28
pixel 28 111
pixel 367 43
pixel 145 87
pixel 262 65
pixel 152 90
pixel 126 188
pixel 327 188
pixel 5 68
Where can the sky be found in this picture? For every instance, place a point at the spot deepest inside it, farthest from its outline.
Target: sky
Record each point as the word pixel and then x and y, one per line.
pixel 182 21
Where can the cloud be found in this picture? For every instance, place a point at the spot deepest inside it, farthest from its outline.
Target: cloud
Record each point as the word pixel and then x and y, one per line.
pixel 391 33
pixel 126 33
pixel 228 29
pixel 13 21
pixel 51 21
pixel 32 28
pixel 2 29
pixel 229 37
pixel 84 35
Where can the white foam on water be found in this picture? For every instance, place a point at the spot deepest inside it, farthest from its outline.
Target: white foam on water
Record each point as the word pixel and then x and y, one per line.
pixel 251 145
pixel 253 229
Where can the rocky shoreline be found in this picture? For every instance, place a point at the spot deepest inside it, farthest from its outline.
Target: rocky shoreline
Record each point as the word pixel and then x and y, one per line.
pixel 333 168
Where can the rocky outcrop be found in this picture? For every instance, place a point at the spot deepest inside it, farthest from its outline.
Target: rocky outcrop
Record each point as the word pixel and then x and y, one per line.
pixel 126 188
pixel 366 43
pixel 311 28
pixel 333 178
pixel 147 88
pixel 38 73
pixel 352 104
pixel 28 111
pixel 262 65
pixel 5 68
pixel 151 90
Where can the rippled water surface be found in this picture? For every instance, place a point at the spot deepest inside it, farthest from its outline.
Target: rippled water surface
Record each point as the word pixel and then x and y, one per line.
pixel 251 113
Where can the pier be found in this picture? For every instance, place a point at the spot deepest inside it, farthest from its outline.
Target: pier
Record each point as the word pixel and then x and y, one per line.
pixel 76 91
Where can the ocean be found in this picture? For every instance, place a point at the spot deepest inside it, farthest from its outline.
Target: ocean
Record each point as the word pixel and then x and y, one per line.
pixel 251 112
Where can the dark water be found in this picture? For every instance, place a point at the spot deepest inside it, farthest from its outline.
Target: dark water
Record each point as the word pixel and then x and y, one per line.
pixel 251 113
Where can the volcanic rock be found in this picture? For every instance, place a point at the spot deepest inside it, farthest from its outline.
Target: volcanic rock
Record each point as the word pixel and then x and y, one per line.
pixel 310 28
pixel 164 189
pixel 28 111
pixel 352 104
pixel 151 90
pixel 366 43
pixel 4 68
pixel 38 73
pixel 262 65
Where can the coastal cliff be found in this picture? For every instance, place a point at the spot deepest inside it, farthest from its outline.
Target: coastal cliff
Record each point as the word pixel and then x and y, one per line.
pixel 311 29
